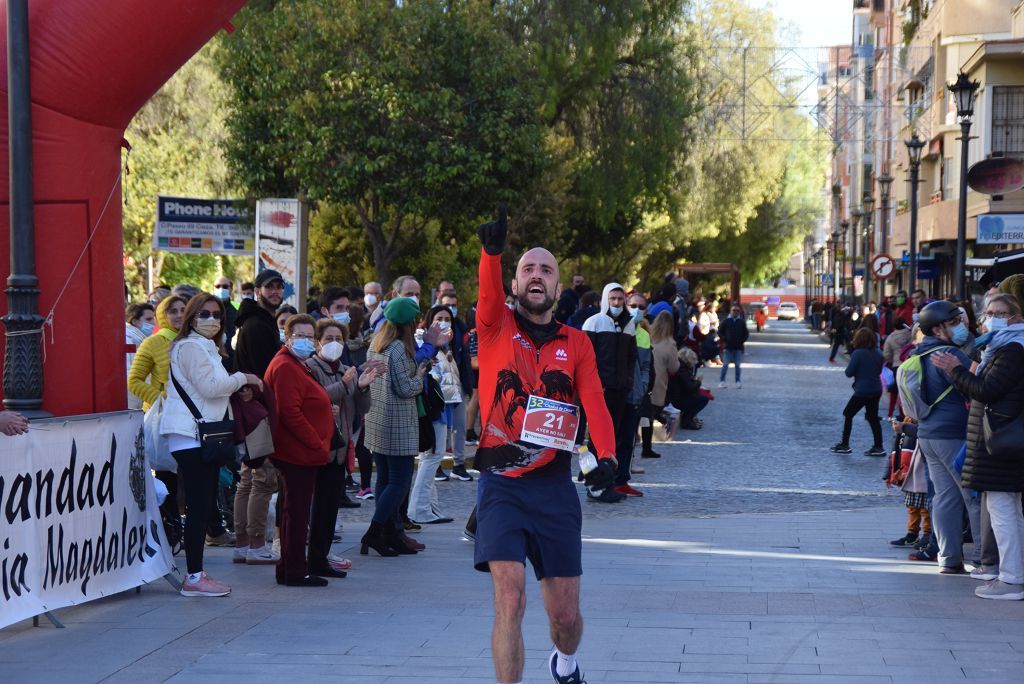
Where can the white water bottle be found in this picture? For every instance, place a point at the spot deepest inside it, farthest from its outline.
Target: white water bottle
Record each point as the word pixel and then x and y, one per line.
pixel 587 460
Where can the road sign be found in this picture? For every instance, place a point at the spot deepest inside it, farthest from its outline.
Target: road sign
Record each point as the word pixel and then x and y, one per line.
pixel 883 266
pixel 826 280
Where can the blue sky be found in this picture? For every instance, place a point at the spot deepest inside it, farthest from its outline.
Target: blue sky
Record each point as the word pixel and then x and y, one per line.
pixel 819 22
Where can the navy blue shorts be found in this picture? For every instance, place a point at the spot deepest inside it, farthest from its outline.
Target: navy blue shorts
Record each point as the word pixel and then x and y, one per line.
pixel 537 519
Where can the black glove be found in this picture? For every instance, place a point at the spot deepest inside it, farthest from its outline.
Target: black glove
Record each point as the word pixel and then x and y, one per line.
pixel 493 234
pixel 601 477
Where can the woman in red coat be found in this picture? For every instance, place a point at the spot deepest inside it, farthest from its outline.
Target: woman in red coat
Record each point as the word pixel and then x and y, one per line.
pixel 301 444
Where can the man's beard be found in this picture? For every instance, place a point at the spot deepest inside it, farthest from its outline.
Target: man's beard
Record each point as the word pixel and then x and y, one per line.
pixel 537 308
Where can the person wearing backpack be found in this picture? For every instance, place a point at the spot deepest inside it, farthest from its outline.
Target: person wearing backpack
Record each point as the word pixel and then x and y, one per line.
pixel 927 395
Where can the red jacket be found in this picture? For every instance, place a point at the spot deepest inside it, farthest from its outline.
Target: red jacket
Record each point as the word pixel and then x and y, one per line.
pixel 305 423
pixel 512 368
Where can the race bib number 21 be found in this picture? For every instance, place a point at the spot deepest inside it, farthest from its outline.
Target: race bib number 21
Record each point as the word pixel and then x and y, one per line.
pixel 549 423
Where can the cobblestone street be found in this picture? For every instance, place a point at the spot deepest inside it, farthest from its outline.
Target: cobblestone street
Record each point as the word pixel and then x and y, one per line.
pixel 756 556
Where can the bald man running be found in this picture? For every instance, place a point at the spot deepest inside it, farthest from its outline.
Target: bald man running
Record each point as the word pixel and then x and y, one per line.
pixel 527 504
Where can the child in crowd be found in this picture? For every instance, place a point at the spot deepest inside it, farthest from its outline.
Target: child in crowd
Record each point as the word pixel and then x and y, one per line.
pixel 907 471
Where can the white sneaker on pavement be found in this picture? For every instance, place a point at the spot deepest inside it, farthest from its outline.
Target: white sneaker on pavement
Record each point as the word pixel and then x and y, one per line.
pixel 722 385
pixel 261 556
pixel 984 573
pixel 997 589
pixel 275 547
pixel 239 554
pixel 739 385
pixel 636 469
pixel 205 586
pixel 338 562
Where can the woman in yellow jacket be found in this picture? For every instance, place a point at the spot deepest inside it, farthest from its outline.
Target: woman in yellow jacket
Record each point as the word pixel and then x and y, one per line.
pixel 152 359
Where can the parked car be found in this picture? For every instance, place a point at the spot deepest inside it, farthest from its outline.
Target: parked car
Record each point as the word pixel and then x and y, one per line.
pixel 788 311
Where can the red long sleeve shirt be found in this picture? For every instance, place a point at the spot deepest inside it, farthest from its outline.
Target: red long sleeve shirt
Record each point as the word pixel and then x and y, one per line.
pixel 512 368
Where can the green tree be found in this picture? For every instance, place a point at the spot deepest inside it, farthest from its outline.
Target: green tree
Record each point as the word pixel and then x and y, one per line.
pixel 416 115
pixel 175 141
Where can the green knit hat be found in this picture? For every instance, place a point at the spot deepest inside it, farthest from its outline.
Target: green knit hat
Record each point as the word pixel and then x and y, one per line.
pixel 1014 285
pixel 402 311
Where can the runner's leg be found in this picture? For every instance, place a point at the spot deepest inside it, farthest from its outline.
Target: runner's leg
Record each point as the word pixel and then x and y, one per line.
pixel 509 578
pixel 562 602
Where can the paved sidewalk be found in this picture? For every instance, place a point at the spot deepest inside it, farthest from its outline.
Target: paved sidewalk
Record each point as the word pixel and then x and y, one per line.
pixel 806 597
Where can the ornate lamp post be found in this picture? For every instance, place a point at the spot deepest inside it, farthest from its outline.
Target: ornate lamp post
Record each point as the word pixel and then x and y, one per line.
pixel 845 224
pixel 869 214
pixel 856 215
pixel 884 186
pixel 914 147
pixel 964 91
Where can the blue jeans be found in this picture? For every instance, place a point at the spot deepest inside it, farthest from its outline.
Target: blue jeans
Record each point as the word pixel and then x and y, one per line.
pixel 949 502
pixel 733 355
pixel 394 473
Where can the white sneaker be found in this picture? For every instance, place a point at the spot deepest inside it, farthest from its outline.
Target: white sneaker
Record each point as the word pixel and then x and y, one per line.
pixel 985 573
pixel 275 547
pixel 722 385
pixel 262 556
pixel 672 410
pixel 239 554
pixel 997 589
pixel 739 385
pixel 338 562
pixel 636 469
pixel 206 586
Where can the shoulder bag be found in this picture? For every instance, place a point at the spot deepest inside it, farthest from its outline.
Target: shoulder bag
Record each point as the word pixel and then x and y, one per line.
pixel 1004 435
pixel 216 438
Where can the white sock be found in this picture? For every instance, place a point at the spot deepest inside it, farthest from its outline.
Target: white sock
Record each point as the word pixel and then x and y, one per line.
pixel 565 664
pixel 194 577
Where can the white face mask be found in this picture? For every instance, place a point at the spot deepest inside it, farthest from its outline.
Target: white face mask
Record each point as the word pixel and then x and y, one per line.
pixel 332 350
pixel 444 325
pixel 414 298
pixel 370 300
pixel 248 296
pixel 635 312
pixel 615 310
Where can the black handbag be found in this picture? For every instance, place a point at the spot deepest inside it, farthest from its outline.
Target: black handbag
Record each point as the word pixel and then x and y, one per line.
pixel 216 438
pixel 1004 435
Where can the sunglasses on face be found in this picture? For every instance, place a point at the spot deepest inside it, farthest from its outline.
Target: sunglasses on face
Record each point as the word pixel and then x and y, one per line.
pixel 204 314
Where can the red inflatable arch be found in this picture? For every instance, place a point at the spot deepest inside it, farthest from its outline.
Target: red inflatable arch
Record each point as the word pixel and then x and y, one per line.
pixel 94 63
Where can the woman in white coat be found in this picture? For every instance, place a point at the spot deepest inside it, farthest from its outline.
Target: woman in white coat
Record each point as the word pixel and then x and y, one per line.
pixel 197 369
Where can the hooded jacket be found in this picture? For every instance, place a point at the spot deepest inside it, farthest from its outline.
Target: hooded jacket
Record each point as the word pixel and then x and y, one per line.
pixel 998 385
pixel 258 339
pixel 948 418
pixel 152 360
pixel 614 341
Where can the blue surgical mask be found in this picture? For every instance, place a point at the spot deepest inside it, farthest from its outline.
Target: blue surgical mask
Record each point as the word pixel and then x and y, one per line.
pixel 148 328
pixel 995 324
pixel 222 293
pixel 959 334
pixel 342 317
pixel 635 312
pixel 302 347
pixel 615 310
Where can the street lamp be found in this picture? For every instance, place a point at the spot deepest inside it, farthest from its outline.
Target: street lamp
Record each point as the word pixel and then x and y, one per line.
pixel 884 183
pixel 963 90
pixel 856 215
pixel 914 147
pixel 837 237
pixel 869 215
pixel 845 223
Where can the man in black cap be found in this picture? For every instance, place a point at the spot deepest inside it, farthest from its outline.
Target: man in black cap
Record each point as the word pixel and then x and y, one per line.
pixel 258 337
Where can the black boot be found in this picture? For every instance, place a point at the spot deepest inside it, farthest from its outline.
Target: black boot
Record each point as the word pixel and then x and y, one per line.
pixel 394 541
pixel 375 538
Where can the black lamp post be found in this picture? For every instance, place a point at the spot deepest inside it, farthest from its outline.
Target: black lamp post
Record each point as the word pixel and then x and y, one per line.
pixel 914 147
pixel 23 360
pixel 836 243
pixel 884 186
pixel 856 215
pixel 869 215
pixel 964 90
pixel 846 227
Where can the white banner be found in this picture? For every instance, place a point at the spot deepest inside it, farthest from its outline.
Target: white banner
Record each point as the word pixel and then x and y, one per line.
pixel 78 514
pixel 281 234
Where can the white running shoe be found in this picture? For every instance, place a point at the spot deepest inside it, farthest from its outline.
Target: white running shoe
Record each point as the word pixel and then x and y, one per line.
pixel 997 589
pixel 739 385
pixel 262 556
pixel 722 385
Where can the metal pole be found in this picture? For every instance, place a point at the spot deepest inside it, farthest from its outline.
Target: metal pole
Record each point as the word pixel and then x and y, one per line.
pixel 961 225
pixel 846 285
pixel 23 361
pixel 867 257
pixel 914 171
pixel 854 239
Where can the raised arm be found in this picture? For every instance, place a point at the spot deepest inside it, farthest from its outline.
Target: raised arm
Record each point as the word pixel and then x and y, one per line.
pixel 492 294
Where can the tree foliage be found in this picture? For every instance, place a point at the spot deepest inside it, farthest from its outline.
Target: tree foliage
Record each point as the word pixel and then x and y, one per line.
pixel 175 143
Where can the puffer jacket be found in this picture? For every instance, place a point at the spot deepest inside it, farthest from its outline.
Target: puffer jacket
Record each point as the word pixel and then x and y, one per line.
pixel 196 365
pixel 148 374
pixel 614 341
pixel 999 385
